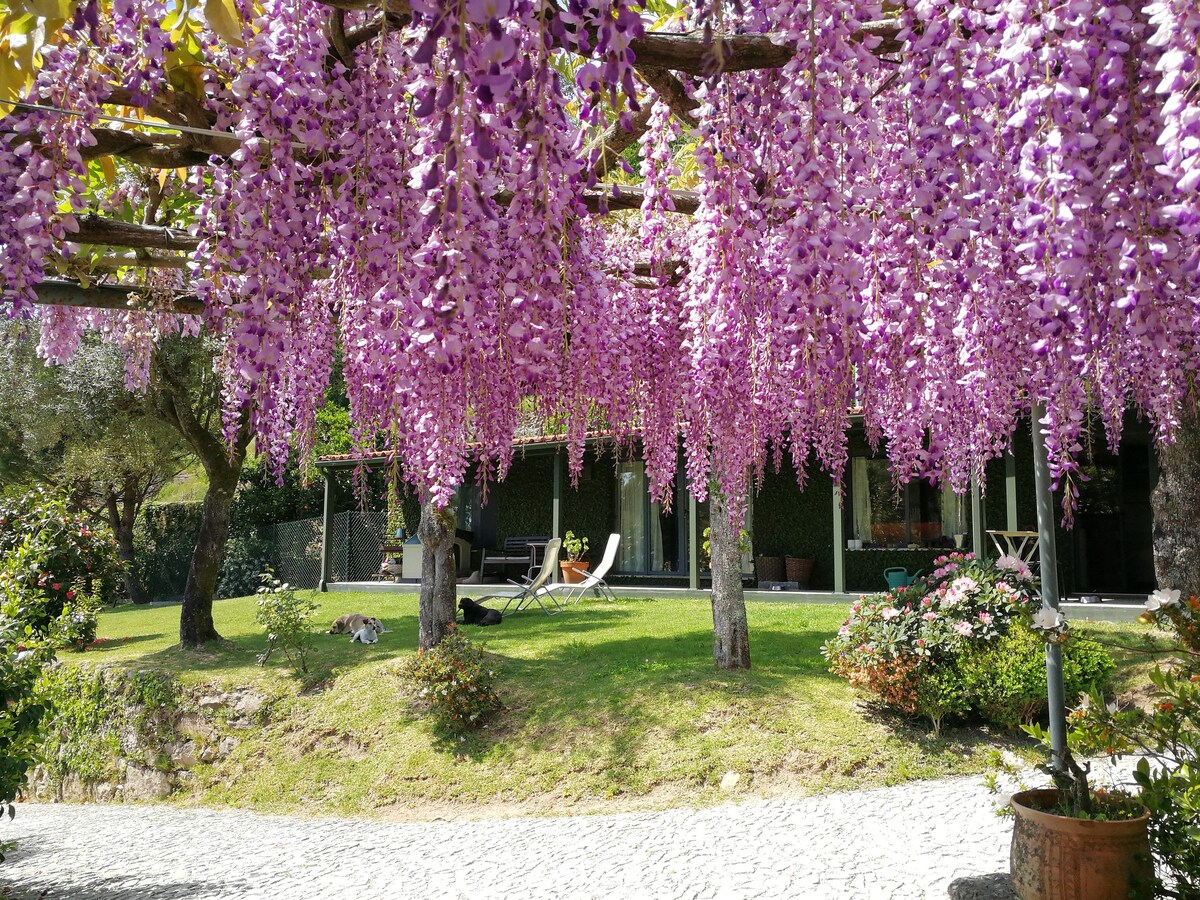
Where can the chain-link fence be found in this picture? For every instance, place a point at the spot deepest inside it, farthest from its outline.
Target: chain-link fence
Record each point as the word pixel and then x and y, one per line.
pixel 296 552
pixel 357 537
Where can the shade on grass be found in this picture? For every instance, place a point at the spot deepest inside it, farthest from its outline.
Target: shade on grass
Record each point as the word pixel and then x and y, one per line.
pixel 608 700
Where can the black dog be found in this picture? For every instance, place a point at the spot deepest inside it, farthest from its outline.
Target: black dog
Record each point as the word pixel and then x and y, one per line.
pixel 477 614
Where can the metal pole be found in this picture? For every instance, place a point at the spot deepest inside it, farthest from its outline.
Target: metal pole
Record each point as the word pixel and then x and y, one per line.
pixel 693 543
pixel 326 533
pixel 1050 595
pixel 556 498
pixel 1010 491
pixel 839 542
pixel 977 525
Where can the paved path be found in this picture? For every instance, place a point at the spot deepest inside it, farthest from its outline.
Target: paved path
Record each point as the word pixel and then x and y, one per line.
pixel 911 841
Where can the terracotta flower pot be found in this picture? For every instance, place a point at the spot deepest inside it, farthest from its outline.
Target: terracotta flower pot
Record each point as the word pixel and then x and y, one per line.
pixel 573 572
pixel 1059 858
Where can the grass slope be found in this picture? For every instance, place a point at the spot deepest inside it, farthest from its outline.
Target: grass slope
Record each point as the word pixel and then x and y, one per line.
pixel 608 705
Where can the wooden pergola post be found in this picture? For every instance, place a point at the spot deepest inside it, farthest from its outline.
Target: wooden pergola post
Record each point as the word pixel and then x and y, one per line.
pixel 326 532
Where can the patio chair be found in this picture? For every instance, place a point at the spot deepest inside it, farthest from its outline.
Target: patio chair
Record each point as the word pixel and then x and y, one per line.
pixel 535 590
pixel 593 580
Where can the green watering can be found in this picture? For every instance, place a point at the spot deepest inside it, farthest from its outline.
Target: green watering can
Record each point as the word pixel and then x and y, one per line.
pixel 898 577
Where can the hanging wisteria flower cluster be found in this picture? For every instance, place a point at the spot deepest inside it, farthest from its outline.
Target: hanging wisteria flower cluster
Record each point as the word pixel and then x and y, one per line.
pixel 1000 213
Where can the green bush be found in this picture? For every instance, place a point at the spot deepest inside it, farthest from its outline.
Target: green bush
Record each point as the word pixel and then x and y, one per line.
pixel 908 646
pixel 246 558
pixel 22 656
pixel 455 681
pixel 287 618
pixel 1006 680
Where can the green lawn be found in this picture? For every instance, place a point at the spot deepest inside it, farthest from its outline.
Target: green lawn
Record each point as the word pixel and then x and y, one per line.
pixel 608 705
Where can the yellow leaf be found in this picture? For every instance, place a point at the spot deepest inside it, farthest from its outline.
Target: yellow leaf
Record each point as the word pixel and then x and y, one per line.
pixel 223 18
pixel 45 9
pixel 162 178
pixel 109 168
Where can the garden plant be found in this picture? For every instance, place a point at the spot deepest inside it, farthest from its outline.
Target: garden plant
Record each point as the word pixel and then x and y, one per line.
pixel 1164 731
pixel 287 615
pixel 958 643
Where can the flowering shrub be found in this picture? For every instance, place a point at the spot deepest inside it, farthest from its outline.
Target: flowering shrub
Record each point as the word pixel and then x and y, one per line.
pixel 56 568
pixel 927 649
pixel 1166 731
pixel 287 618
pixel 456 682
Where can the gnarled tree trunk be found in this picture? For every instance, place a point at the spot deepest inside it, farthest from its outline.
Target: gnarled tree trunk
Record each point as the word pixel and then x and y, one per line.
pixel 196 618
pixel 731 633
pixel 1176 504
pixel 438 604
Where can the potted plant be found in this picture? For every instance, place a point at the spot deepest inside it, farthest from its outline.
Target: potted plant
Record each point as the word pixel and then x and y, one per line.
pixel 1075 840
pixel 574 567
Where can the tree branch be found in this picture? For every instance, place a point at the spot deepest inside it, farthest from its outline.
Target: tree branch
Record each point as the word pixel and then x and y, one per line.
pixel 672 92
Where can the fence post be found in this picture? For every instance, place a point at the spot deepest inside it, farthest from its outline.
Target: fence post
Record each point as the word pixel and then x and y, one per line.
pixel 327 533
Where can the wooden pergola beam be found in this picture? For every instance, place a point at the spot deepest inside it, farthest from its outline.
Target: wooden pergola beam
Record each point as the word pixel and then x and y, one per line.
pixel 111 296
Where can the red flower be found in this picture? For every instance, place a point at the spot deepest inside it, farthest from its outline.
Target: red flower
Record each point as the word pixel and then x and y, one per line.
pixel 70 595
pixel 55 586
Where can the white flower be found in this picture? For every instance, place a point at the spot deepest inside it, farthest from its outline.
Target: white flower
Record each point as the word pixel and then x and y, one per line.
pixel 1161 598
pixel 1013 564
pixel 1111 706
pixel 1047 619
pixel 890 613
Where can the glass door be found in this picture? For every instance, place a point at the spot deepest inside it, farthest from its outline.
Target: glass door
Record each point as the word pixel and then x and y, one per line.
pixel 631 516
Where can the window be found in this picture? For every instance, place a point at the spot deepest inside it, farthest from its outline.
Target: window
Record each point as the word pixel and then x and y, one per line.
pixel 650 536
pixel 918 513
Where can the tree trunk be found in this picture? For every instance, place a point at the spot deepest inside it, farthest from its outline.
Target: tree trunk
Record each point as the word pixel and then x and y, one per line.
pixel 731 633
pixel 121 517
pixel 438 605
pixel 134 588
pixel 196 619
pixel 1176 501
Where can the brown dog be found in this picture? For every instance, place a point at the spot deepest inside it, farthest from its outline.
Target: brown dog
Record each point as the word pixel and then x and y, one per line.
pixel 352 623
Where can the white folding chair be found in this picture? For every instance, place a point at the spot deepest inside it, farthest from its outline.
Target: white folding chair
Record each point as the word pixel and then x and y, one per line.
pixel 536 590
pixel 593 580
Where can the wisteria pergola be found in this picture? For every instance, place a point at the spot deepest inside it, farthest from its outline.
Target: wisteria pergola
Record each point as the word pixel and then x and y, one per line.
pixel 946 213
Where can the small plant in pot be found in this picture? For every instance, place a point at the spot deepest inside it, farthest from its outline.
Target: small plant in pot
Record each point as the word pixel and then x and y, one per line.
pixel 1075 840
pixel 575 566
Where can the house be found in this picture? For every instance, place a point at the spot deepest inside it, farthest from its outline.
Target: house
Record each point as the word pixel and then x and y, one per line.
pixel 852 533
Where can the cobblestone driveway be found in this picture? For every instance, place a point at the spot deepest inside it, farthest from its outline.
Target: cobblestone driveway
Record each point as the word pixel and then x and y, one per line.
pixel 903 842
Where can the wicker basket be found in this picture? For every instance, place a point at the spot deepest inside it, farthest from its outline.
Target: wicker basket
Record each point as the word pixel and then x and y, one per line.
pixel 768 568
pixel 798 569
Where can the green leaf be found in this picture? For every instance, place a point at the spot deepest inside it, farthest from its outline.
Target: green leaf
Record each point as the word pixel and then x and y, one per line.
pixel 224 20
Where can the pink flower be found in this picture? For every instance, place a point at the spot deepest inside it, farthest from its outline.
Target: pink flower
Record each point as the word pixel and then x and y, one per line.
pixel 985 617
pixel 929 616
pixel 963 628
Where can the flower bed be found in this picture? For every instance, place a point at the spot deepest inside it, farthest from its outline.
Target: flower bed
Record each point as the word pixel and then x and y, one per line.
pixel 957 643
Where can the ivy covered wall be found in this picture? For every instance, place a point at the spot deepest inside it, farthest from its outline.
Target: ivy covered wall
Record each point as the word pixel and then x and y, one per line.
pixel 789 521
pixel 590 509
pixel 522 503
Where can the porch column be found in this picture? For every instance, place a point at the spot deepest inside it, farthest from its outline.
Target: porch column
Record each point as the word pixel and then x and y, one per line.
pixel 556 498
pixel 693 543
pixel 1010 491
pixel 326 532
pixel 1048 557
pixel 976 518
pixel 839 542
